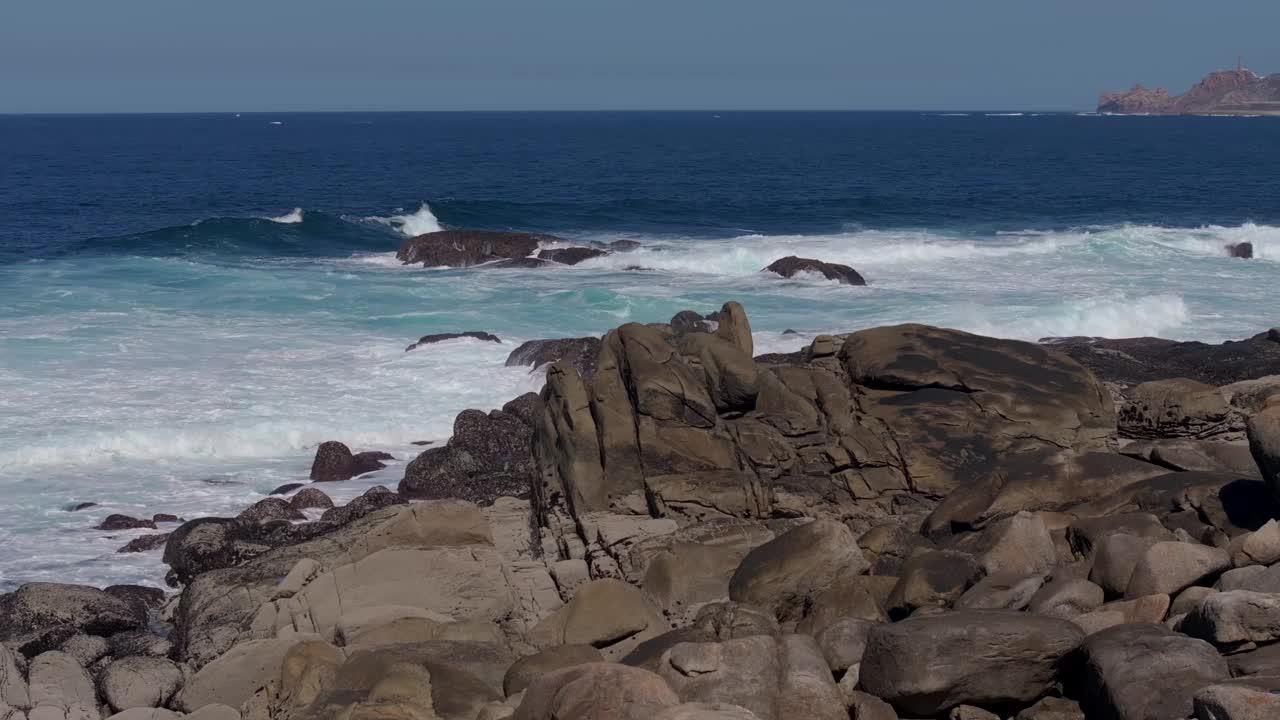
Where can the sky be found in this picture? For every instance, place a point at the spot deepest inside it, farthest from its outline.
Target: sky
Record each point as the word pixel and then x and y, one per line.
pixel 281 55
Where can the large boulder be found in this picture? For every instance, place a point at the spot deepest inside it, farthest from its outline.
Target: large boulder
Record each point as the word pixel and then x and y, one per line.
pixel 924 666
pixel 487 457
pixel 1236 702
pixel 596 691
pixel 60 689
pixel 791 266
pixel 784 574
pixel 1238 616
pixel 1169 567
pixel 36 610
pixel 334 462
pixel 464 248
pixel 1264 443
pixel 607 614
pixel 773 677
pixel 524 671
pixel 139 682
pixel 1175 408
pixel 932 578
pixel 1145 672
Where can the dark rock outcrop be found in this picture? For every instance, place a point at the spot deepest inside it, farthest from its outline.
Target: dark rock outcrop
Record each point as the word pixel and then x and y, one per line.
pixel 487 457
pixel 1242 250
pixel 791 266
pixel 580 353
pixel 1130 361
pixel 124 522
pixel 334 462
pixel 145 543
pixel 1143 672
pixel 441 337
pixel 310 498
pixel 1264 444
pixel 571 255
pixel 465 248
pixel 268 509
pixel 36 609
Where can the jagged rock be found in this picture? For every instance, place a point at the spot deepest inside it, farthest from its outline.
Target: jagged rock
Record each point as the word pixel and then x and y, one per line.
pixel 465 248
pixel 785 573
pixel 145 543
pixel 773 677
pixel 932 578
pixel 597 691
pixel 1169 567
pixel 791 266
pixel 579 353
pixel 487 457
pixel 606 614
pixel 1239 91
pixel 334 462
pixel 571 255
pixel 1067 598
pixel 310 498
pixel 39 608
pixel 139 682
pixel 268 509
pixel 1237 616
pixel 442 337
pixel 1142 672
pixel 124 522
pixel 1235 702
pixel 524 671
pixel 927 665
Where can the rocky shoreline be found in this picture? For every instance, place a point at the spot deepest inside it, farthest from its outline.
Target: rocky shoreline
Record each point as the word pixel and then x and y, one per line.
pixel 900 522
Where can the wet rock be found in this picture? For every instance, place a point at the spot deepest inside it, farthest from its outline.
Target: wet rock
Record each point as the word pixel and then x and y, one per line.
pixel 571 255
pixel 142 597
pixel 77 507
pixel 334 462
pixel 487 457
pixel 465 248
pixel 579 353
pixel 310 498
pixel 1142 672
pixel 286 488
pixel 791 266
pixel 165 518
pixel 146 543
pixel 1242 250
pixel 37 608
pixel 124 522
pixel 373 499
pixel 268 509
pixel 1131 361
pixel 139 642
pixel 927 665
pixel 441 337
pixel 86 649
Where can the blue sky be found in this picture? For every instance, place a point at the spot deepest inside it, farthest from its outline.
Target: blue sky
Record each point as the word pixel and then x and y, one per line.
pixel 242 55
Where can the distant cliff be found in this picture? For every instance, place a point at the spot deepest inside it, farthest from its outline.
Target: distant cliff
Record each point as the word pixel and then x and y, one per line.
pixel 1234 92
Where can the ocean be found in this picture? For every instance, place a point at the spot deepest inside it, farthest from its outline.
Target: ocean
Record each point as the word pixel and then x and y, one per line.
pixel 189 304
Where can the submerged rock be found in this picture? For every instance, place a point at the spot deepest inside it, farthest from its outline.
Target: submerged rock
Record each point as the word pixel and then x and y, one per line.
pixel 580 353
pixel 791 266
pixel 441 337
pixel 334 462
pixel 1240 250
pixel 571 255
pixel 124 522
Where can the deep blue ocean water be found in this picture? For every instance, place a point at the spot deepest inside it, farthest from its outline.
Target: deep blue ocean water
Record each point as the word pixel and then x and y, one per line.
pixel 189 303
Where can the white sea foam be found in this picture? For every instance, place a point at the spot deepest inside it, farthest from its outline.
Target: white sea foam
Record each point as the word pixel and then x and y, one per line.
pixel 420 222
pixel 290 218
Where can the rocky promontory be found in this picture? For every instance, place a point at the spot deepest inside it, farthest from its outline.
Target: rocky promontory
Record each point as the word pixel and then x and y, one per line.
pixel 1224 92
pixel 898 522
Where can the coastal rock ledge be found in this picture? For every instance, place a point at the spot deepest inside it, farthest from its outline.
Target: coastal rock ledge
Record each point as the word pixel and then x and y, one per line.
pixel 903 521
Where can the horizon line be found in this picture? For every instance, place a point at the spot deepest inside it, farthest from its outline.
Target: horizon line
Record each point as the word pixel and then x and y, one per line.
pixel 509 111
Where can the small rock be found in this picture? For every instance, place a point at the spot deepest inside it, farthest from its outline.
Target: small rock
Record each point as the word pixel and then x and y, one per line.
pixel 1242 250
pixel 310 498
pixel 1235 617
pixel 334 462
pixel 286 489
pixel 165 518
pixel 268 509
pixel 76 507
pixel 124 522
pixel 1260 547
pixel 1169 567
pixel 791 266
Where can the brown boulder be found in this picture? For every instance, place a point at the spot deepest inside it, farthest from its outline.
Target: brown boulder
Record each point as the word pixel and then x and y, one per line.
pixel 334 462
pixel 465 248
pixel 791 266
